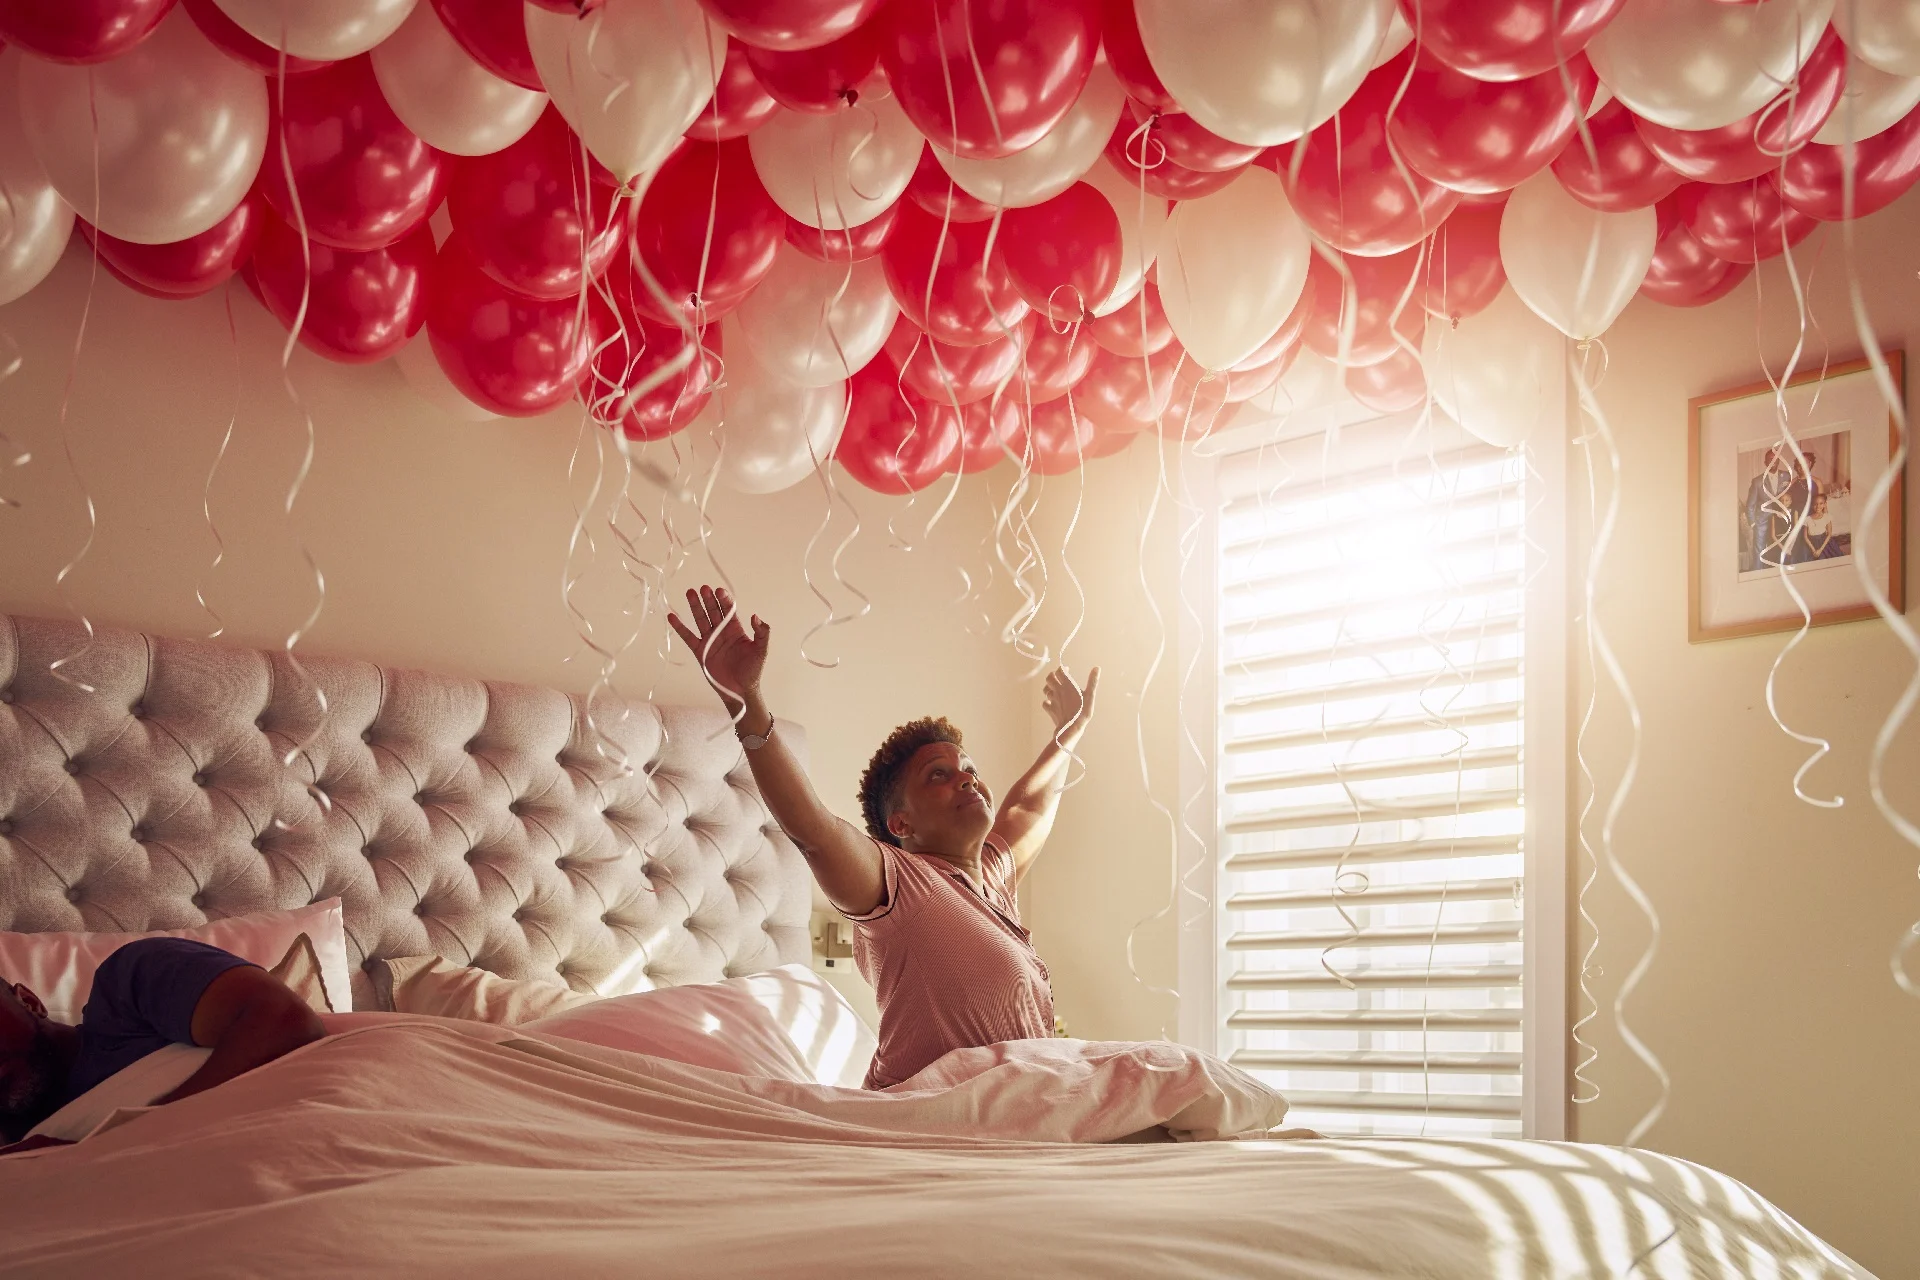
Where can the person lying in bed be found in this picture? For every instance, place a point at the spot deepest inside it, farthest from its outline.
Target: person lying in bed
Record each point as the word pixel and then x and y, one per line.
pixel 148 994
pixel 930 882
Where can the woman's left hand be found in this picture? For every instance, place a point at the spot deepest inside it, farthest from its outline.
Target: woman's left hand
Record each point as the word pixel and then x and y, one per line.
pixel 1067 704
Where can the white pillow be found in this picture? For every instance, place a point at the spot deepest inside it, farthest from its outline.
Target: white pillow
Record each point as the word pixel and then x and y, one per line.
pixel 59 967
pixel 787 1023
pixel 134 1085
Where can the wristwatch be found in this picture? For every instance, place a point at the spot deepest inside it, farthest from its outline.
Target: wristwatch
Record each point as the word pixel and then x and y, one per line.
pixel 755 741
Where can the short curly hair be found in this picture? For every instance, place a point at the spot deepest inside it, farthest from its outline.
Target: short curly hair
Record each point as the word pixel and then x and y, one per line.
pixel 880 785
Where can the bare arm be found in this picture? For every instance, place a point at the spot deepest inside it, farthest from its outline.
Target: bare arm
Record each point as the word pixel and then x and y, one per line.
pixel 248 1018
pixel 1028 809
pixel 843 859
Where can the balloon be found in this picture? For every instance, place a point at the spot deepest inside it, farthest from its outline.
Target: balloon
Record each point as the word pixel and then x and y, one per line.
pixel 426 379
pixel 1348 190
pixel 226 35
pixel 1125 394
pixel 1508 39
pixel 1143 221
pixel 1189 144
pixel 1120 36
pixel 439 92
pixel 1700 64
pixel 1498 372
pixel 1742 222
pixel 986 427
pixel 495 36
pixel 510 354
pixel 1882 33
pixel 837 171
pixel 987 80
pixel 1885 165
pixel 740 102
pixel 1244 384
pixel 945 282
pixel 1141 161
pixel 1374 301
pixel 936 191
pixel 634 351
pixel 857 245
pixel 1138 329
pixel 1628 175
pixel 774 434
pixel 361 307
pixel 364 178
pixel 323 30
pixel 1393 385
pixel 707 232
pixel 814 323
pixel 1064 255
pixel 190 267
pixel 1463 272
pixel 1262 72
pixel 1059 159
pixel 1474 136
pixel 79 30
pixel 39 220
pixel 948 374
pixel 179 135
pixel 1233 267
pixel 1575 266
pixel 1053 439
pixel 1683 273
pixel 1196 406
pixel 1287 337
pixel 889 446
pixel 826 78
pixel 1876 100
pixel 791 24
pixel 1052 362
pixel 630 77
pixel 1754 144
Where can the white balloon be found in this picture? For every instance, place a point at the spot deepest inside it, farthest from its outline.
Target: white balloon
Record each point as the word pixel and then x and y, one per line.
pixel 1493 372
pixel 1262 72
pixel 1058 160
pixel 630 76
pixel 1396 37
pixel 773 433
pixel 180 132
pixel 1882 33
pixel 1143 228
pixel 38 221
pixel 1576 267
pixel 837 171
pixel 815 323
pixel 1872 101
pixel 1232 267
pixel 426 379
pixel 324 30
pixel 1703 64
pixel 442 94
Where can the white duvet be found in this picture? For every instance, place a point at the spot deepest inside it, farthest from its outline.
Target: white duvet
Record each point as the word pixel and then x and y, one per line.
pixel 422 1147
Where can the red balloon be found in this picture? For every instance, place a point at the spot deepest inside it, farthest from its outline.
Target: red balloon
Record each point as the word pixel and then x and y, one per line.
pixel 631 350
pixel 960 296
pixel 525 209
pixel 185 268
pixel 1197 405
pixel 1376 292
pixel 1885 165
pixel 365 179
pixel 825 79
pixel 1054 437
pixel 1141 157
pixel 230 38
pixel 361 307
pixel 856 244
pixel 494 34
pixel 1743 221
pixel 1506 39
pixel 1750 147
pixel 1137 329
pixel 891 444
pixel 515 355
pixel 1063 254
pixel 985 428
pixel 948 374
pixel 1463 274
pixel 1108 442
pixel 1128 394
pixel 740 103
pixel 1030 57
pixel 1628 176
pixel 1393 385
pixel 1683 274
pixel 1478 137
pixel 1120 33
pixel 706 230
pixel 1348 190
pixel 1188 144
pixel 79 30
pixel 1246 383
pixel 1287 337
pixel 1052 362
pixel 790 24
pixel 574 8
pixel 933 189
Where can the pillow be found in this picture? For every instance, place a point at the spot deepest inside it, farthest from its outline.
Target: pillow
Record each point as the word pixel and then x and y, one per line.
pixel 58 967
pixel 437 986
pixel 788 1023
pixel 300 970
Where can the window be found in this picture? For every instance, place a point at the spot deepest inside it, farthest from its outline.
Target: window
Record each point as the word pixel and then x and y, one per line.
pixel 1373 662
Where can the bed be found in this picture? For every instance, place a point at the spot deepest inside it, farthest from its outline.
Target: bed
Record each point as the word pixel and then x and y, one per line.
pixel 499 826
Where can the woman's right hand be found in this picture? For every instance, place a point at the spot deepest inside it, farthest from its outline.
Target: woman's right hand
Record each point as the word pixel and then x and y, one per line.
pixel 731 660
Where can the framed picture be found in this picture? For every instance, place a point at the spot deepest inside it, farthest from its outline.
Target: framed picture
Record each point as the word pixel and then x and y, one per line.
pixel 1761 510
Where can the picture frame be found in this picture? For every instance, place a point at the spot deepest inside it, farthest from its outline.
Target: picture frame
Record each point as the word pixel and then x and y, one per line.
pixel 1757 507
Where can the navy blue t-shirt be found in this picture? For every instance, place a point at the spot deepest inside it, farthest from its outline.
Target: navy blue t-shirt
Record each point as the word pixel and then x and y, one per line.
pixel 143 999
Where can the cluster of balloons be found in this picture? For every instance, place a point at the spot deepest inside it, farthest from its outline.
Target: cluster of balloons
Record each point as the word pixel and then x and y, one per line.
pixel 924 235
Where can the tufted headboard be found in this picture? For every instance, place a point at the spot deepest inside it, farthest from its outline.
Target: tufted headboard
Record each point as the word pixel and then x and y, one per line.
pixel 467 819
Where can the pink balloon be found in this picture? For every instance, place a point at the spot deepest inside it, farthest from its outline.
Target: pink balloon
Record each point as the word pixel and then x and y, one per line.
pixel 856 244
pixel 361 307
pixel 948 374
pixel 185 268
pixel 1052 362
pixel 1189 144
pixel 1743 221
pixel 494 34
pixel 1143 159
pixel 1393 385
pixel 1379 285
pixel 890 444
pixel 1063 255
pixel 740 102
pixel 1120 34
pixel 933 189
pixel 79 30
pixel 706 230
pixel 1506 39
pixel 508 353
pixel 944 281
pixel 1478 137
pixel 1627 175
pixel 1885 166
pixel 632 349
pixel 231 39
pixel 790 24
pixel 1683 273
pixel 1463 275
pixel 823 80
pixel 1139 328
pixel 1055 438
pixel 1753 146
pixel 985 428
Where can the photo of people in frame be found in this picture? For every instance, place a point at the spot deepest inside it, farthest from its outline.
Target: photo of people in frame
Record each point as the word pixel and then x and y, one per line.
pixel 1795 510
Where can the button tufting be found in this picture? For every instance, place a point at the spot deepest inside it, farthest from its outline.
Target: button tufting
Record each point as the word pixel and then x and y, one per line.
pixel 607 919
pixel 420 908
pixel 470 857
pixel 261 724
pixel 200 779
pixel 72 767
pixel 516 808
pixel 199 900
pixel 73 894
pixel 687 923
pixel 472 746
pixel 366 736
pixel 139 835
pixel 6 826
pixel 6 695
pixel 260 843
pixel 138 711
pixel 367 849
pixel 519 913
pixel 420 798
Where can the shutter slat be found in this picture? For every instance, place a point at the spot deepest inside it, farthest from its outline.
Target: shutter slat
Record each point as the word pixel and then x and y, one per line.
pixel 1502 538
pixel 1382 1020
pixel 1362 855
pixel 1499 628
pixel 1486 975
pixel 1488 758
pixel 1489 932
pixel 1493 713
pixel 1487 1064
pixel 1352 690
pixel 1491 1105
pixel 1388 598
pixel 1383 896
pixel 1368 811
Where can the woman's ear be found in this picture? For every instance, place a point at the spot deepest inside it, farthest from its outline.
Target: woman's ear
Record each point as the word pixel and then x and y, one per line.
pixel 898 826
pixel 24 994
